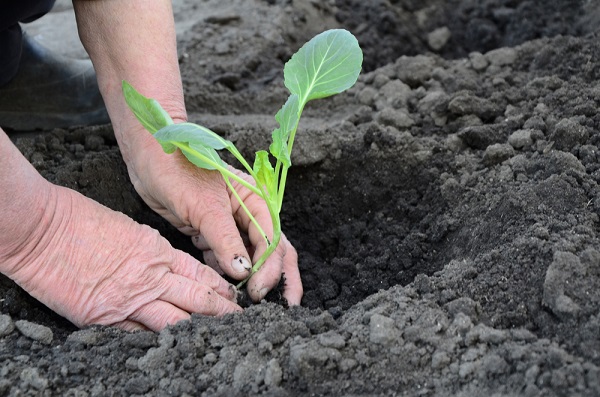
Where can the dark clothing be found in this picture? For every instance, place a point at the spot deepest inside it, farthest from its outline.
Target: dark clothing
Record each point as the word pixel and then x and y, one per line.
pixel 11 13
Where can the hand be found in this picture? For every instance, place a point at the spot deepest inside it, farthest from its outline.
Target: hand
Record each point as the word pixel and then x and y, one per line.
pixel 195 201
pixel 97 266
pixel 198 203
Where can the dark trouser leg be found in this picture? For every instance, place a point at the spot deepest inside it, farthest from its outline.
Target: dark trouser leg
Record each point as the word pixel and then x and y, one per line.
pixel 40 89
pixel 11 13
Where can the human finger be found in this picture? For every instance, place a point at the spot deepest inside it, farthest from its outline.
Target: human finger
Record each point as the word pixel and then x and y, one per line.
pixel 293 289
pixel 157 315
pixel 194 297
pixel 268 275
pixel 220 232
pixel 200 242
pixel 130 326
pixel 187 266
pixel 176 304
pixel 211 260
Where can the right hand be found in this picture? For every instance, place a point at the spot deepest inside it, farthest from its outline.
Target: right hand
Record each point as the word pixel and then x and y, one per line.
pixel 199 204
pixel 93 265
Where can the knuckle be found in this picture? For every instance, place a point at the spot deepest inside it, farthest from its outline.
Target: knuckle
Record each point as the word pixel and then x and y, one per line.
pixel 204 274
pixel 205 300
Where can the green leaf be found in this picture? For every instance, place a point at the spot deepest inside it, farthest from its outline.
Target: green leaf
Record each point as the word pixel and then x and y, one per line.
pixel 148 111
pixel 168 148
pixel 192 133
pixel 202 156
pixel 328 64
pixel 265 173
pixel 287 117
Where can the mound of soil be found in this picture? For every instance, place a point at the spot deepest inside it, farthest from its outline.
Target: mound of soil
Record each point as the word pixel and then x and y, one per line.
pixel 445 211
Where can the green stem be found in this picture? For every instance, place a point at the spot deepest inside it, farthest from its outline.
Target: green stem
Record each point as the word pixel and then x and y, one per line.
pixel 241 202
pixel 284 169
pixel 290 144
pixel 271 245
pixel 270 249
pixel 233 150
pixel 277 171
pixel 282 181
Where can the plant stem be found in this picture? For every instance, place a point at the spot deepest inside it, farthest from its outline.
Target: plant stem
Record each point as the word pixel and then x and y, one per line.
pixel 233 150
pixel 241 202
pixel 290 144
pixel 270 249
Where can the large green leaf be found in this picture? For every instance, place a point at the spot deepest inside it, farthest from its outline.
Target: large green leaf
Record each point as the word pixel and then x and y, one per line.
pixel 287 117
pixel 328 64
pixel 192 133
pixel 148 111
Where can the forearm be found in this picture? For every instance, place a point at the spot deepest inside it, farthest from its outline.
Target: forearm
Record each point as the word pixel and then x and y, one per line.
pixel 135 41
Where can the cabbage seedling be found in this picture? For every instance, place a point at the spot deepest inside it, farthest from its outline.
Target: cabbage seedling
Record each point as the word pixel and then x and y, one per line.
pixel 326 65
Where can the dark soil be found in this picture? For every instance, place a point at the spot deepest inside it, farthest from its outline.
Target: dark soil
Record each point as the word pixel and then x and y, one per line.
pixel 445 210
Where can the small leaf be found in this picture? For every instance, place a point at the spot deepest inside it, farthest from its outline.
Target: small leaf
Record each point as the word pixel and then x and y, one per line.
pixel 148 111
pixel 328 64
pixel 265 173
pixel 168 147
pixel 202 156
pixel 192 133
pixel 287 117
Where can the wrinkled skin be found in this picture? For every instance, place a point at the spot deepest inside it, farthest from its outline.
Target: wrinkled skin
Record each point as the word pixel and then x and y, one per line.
pixel 94 265
pixel 196 201
pixel 97 266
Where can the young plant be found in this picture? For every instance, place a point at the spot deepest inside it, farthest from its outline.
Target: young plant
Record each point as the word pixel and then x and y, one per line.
pixel 326 65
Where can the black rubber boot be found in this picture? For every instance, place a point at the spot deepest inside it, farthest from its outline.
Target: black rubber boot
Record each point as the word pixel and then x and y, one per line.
pixel 50 91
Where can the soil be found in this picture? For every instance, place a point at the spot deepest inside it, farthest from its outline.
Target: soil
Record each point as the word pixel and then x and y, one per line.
pixel 445 210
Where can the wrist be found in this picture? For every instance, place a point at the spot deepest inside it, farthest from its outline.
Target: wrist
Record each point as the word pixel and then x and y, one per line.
pixel 141 152
pixel 27 226
pixel 133 139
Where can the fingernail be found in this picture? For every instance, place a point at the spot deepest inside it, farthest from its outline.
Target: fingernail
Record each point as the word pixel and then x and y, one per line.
pixel 234 293
pixel 240 264
pixel 263 292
